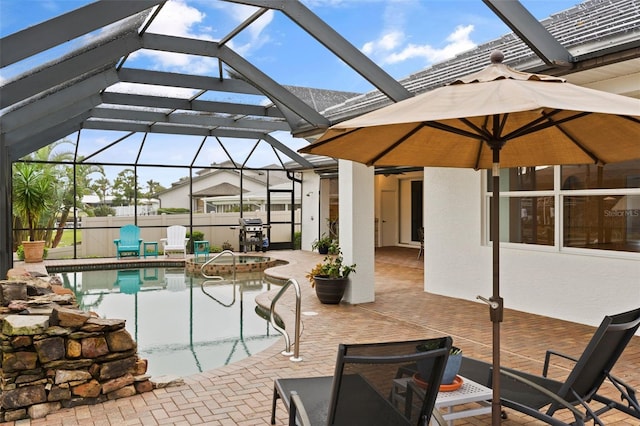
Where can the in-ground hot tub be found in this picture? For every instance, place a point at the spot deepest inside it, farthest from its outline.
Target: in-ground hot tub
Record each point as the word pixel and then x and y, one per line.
pixel 223 265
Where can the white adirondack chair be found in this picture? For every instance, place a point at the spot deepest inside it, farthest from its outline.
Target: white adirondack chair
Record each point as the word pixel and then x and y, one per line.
pixel 176 240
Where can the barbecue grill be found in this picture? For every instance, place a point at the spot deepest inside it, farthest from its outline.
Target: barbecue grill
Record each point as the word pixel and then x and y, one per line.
pixel 252 234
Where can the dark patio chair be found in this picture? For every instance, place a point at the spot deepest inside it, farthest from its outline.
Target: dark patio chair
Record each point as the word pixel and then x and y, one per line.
pixel 364 389
pixel 542 397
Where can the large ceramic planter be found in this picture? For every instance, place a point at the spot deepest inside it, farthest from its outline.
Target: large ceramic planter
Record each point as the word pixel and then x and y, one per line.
pixel 33 251
pixel 330 290
pixel 450 371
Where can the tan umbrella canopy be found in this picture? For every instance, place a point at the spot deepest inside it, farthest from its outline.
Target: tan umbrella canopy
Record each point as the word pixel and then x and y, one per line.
pixel 498 117
pixel 540 120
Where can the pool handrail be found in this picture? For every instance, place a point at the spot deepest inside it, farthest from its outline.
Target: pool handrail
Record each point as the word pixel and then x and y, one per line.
pixel 296 353
pixel 213 259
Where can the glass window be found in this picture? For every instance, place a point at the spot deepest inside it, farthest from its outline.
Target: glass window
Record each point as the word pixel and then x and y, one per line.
pixel 602 222
pixel 524 179
pixel 599 206
pixel 527 220
pixel 589 176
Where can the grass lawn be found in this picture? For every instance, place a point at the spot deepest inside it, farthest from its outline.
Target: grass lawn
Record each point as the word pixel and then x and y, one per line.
pixel 67 237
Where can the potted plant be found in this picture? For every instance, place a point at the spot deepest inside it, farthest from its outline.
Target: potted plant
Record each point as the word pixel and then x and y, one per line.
pixel 325 244
pixel 330 278
pixel 32 188
pixel 451 369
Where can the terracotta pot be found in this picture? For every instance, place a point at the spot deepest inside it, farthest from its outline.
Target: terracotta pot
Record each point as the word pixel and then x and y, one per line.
pixel 330 290
pixel 33 251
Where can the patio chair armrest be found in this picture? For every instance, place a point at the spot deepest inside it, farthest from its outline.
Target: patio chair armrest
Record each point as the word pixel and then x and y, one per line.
pixel 546 392
pixel 439 419
pixel 296 408
pixel 547 359
pixel 164 240
pixel 116 242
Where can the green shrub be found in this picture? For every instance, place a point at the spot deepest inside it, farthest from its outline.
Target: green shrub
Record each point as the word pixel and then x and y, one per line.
pixel 195 236
pixel 172 210
pixel 297 240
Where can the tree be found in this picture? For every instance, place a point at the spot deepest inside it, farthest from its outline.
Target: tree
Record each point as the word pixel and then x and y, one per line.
pixel 67 199
pixel 125 187
pixel 61 198
pixel 101 187
pixel 32 188
pixel 153 188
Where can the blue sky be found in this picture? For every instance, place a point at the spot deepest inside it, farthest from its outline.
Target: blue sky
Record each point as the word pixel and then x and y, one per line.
pixel 402 36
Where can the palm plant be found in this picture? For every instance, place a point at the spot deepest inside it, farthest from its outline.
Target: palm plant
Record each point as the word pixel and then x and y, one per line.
pixel 32 188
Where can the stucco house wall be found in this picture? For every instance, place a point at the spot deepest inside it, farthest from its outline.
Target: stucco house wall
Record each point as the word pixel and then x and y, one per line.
pixel 580 286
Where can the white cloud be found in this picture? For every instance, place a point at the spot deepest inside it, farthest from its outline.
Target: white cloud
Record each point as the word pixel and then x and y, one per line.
pixel 179 19
pixel 459 41
pixel 389 47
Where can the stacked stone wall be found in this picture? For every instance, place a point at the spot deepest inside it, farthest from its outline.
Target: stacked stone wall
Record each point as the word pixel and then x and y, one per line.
pixel 56 356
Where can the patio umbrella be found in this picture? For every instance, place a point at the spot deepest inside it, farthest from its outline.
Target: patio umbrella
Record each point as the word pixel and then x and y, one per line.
pixel 497 117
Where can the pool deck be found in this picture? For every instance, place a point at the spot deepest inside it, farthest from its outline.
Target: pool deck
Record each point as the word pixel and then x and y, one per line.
pixel 241 393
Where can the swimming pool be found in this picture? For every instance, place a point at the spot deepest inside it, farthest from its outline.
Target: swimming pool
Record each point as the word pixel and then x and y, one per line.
pixel 183 324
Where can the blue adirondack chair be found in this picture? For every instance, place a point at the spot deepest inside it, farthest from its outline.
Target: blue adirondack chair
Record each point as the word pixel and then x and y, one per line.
pixel 129 242
pixel 128 280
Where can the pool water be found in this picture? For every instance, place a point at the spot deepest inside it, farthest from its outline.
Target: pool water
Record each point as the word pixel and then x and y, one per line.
pixel 183 324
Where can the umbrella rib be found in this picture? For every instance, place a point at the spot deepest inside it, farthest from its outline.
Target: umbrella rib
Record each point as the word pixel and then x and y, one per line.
pixel 545 121
pixel 451 129
pixel 393 146
pixel 320 143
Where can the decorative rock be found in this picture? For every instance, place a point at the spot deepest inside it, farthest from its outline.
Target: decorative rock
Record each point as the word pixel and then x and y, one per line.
pixel 87 390
pixel 21 341
pixel 145 386
pixel 17 274
pixel 18 361
pixel 141 367
pixel 93 347
pixel 70 364
pixel 66 317
pixel 28 325
pixel 39 411
pixel 17 306
pixel 58 289
pixel 57 393
pixel 63 376
pixel 74 349
pixel 55 356
pixel 12 290
pixel 117 383
pixel 122 393
pixel 167 380
pixel 113 369
pixel 74 402
pixel 61 299
pixel 36 378
pixel 13 415
pixel 57 331
pixel 103 324
pixel 23 396
pixel 120 341
pixel 50 349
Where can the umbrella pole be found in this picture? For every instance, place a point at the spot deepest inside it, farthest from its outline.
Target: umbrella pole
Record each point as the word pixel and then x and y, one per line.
pixel 496 307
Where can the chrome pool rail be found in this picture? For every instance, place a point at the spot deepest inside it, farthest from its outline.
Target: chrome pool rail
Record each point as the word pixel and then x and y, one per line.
pixel 296 351
pixel 213 259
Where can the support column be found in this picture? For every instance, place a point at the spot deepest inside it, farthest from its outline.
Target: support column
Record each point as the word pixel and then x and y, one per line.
pixel 356 215
pixel 6 249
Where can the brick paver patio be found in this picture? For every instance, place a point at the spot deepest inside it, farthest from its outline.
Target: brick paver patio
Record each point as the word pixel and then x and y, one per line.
pixel 240 393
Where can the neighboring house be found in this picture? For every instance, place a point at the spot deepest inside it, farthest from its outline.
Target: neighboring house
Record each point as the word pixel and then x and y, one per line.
pixel 280 200
pixel 220 181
